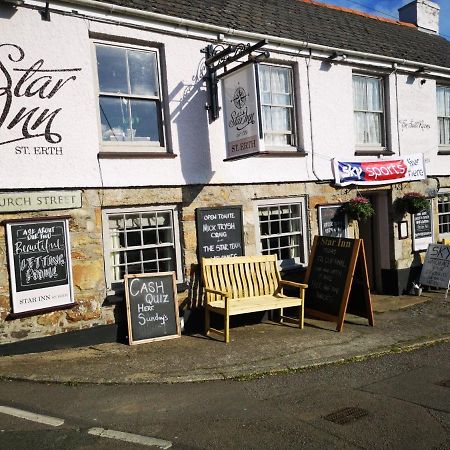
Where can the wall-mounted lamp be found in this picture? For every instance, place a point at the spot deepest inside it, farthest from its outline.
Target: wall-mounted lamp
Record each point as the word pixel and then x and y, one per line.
pixel 337 56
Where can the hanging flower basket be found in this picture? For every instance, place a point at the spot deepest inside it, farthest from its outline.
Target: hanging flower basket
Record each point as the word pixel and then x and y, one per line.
pixel 359 208
pixel 412 203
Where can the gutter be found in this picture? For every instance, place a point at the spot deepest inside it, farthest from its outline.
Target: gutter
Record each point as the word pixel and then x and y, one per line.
pixel 123 10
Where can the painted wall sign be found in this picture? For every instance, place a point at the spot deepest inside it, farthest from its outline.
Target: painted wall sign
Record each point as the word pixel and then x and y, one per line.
pixel 413 125
pixel 39 201
pixel 436 267
pixel 241 112
pixel 332 221
pixel 422 229
pixel 385 171
pixel 33 80
pixel 39 264
pixel 219 232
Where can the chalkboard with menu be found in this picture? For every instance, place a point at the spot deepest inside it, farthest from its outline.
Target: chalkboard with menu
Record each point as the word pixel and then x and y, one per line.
pixel 331 278
pixel 219 232
pixel 152 309
pixel 422 226
pixel 332 221
pixel 39 265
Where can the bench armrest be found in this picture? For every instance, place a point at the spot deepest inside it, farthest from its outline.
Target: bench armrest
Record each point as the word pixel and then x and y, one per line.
pixel 293 284
pixel 216 291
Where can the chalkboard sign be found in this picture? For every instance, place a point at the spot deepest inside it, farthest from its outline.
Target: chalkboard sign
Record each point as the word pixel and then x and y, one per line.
pixel 39 264
pixel 152 309
pixel 422 226
pixel 436 267
pixel 219 232
pixel 332 221
pixel 330 278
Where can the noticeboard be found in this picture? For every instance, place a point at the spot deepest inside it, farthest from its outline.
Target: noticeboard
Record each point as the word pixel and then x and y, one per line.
pixel 39 265
pixel 332 221
pixel 152 309
pixel 219 232
pixel 436 267
pixel 336 266
pixel 422 229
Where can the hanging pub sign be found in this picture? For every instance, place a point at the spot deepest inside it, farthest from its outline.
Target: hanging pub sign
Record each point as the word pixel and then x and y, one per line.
pixel 385 171
pixel 39 265
pixel 242 116
pixel 422 229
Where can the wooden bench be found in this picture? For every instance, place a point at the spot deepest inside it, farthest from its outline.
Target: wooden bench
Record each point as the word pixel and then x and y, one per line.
pixel 245 284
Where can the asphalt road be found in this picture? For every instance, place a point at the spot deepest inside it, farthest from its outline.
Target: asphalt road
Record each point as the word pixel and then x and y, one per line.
pixel 398 401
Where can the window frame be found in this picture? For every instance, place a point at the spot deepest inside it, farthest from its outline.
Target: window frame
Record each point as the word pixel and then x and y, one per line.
pixel 371 148
pixel 138 148
pixel 295 146
pixel 442 147
pixel 443 235
pixel 285 264
pixel 114 287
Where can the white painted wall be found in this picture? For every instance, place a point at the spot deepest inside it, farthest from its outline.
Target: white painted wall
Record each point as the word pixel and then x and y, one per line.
pixel 200 148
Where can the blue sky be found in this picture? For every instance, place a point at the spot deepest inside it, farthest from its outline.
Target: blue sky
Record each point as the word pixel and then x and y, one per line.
pixel 389 8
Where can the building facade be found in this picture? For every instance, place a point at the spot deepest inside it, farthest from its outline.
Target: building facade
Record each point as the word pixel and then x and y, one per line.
pixel 106 126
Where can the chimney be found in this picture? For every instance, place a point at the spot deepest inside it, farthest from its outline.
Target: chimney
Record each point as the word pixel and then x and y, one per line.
pixel 422 13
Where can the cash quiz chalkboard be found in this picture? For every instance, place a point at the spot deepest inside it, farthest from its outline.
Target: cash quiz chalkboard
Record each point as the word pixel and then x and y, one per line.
pixel 422 226
pixel 39 265
pixel 332 221
pixel 152 309
pixel 219 232
pixel 337 279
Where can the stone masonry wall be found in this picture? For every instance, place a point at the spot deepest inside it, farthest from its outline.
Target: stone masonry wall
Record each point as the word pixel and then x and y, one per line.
pixel 85 228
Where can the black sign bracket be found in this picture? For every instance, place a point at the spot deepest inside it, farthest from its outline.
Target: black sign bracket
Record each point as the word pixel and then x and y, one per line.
pixel 218 57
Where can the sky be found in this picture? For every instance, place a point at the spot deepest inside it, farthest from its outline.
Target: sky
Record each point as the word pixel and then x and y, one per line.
pixel 389 8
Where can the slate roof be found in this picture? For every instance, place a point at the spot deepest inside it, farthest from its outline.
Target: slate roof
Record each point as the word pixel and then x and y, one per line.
pixel 308 21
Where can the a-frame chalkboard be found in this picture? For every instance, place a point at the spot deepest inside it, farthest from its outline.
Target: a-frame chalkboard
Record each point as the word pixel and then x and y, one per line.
pixel 152 309
pixel 337 280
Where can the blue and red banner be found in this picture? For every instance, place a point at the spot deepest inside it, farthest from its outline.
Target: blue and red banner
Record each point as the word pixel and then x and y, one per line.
pixel 385 171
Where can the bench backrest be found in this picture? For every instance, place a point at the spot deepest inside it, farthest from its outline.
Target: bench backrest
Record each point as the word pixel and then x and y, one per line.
pixel 242 276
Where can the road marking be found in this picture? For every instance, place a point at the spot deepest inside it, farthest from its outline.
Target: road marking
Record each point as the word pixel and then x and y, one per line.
pixel 47 420
pixel 128 437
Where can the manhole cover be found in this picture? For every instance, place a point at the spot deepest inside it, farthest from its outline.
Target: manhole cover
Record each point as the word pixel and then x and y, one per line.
pixel 445 383
pixel 346 415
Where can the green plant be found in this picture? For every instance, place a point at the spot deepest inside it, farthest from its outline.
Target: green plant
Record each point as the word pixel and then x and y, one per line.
pixel 359 208
pixel 412 203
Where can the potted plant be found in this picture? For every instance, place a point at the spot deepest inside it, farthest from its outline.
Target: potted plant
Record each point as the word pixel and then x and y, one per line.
pixel 412 203
pixel 359 208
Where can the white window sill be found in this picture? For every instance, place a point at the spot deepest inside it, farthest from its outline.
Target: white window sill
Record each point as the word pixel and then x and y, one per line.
pixel 133 149
pixel 444 150
pixel 372 150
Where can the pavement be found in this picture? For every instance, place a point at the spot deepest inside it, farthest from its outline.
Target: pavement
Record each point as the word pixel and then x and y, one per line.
pixel 400 324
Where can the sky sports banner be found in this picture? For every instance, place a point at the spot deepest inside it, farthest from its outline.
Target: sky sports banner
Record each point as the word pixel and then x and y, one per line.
pixel 241 113
pixel 385 171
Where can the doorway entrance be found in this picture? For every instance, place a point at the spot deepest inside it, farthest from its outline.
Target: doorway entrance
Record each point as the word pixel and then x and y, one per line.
pixel 375 233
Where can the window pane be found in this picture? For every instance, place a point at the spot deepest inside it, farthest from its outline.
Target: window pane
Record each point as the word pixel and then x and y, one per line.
pixel 373 128
pixel 145 120
pixel 112 69
pixel 359 93
pixel 114 114
pixel 143 73
pixel 373 94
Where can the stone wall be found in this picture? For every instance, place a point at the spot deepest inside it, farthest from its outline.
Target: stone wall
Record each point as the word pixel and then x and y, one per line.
pixel 86 237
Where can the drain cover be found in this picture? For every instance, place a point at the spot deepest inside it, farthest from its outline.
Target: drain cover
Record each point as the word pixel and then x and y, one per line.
pixel 445 383
pixel 346 415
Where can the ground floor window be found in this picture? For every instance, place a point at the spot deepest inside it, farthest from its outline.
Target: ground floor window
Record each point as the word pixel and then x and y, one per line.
pixel 282 230
pixel 140 241
pixel 444 214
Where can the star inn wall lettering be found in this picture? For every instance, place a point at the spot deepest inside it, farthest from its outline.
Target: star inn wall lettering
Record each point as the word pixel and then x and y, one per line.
pixel 20 80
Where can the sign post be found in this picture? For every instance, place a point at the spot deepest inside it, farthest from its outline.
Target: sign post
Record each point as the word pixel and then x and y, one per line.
pixel 152 309
pixel 337 280
pixel 39 265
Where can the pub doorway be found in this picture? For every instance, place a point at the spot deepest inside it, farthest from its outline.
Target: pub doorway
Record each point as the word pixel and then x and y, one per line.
pixel 375 234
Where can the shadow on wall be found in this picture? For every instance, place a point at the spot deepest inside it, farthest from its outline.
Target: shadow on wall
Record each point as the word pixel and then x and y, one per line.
pixel 191 119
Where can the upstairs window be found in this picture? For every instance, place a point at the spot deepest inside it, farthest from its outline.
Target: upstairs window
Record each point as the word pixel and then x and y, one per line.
pixel 277 104
pixel 368 106
pixel 443 112
pixel 129 96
